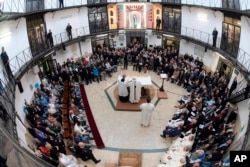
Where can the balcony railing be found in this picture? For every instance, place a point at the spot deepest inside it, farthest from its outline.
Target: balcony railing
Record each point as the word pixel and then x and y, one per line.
pixel 23 6
pixel 63 37
pixel 241 58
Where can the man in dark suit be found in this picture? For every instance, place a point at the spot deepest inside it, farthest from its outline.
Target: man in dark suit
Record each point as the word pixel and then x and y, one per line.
pixel 172 131
pixel 50 39
pixel 69 31
pixel 158 24
pixel 215 34
pixel 61 4
pixel 85 153
pixel 5 59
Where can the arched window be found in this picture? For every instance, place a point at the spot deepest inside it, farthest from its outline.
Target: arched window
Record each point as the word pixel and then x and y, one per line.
pixel 111 13
pixel 157 11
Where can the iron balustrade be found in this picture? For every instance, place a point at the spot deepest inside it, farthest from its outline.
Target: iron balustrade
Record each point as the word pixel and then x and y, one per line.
pixel 26 57
pixel 63 37
pixel 19 6
pixel 20 60
pixel 241 57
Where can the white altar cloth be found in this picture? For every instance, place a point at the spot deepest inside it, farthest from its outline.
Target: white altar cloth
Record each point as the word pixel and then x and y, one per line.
pixel 145 81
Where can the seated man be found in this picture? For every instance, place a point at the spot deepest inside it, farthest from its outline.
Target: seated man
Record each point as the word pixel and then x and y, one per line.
pixel 172 132
pixel 175 123
pixel 109 68
pixel 197 156
pixel 85 153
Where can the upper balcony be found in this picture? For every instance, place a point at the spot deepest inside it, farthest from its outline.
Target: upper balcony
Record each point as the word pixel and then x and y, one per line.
pixel 22 7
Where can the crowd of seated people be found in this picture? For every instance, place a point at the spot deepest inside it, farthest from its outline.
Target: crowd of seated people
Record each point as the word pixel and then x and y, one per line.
pixel 45 119
pixel 203 125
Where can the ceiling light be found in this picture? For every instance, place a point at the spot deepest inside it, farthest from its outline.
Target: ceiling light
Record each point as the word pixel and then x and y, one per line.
pixel 5 35
pixel 103 35
pixel 202 16
pixel 220 55
pixel 166 35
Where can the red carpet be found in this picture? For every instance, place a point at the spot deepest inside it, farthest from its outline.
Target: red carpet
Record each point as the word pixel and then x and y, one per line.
pixel 91 120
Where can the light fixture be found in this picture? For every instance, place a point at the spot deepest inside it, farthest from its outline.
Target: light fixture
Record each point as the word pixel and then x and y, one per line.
pixel 220 55
pixel 202 16
pixel 5 35
pixel 103 35
pixel 166 35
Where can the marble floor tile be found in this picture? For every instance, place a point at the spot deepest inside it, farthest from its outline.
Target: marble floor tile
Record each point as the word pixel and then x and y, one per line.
pixel 121 130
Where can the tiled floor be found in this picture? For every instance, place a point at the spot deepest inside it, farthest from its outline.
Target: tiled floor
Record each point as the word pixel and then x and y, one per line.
pixel 121 131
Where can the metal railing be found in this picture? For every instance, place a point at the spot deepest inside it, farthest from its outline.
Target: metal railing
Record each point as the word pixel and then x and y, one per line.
pixel 76 33
pixel 20 6
pixel 26 57
pixel 228 46
pixel 241 58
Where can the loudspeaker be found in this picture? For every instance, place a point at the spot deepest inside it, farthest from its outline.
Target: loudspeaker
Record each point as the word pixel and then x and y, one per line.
pixel 20 86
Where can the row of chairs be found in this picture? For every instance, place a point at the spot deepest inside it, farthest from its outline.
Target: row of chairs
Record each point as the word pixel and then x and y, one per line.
pixel 67 130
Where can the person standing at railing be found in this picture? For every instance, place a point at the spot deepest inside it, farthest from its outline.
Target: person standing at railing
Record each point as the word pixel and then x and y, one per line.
pixel 50 39
pixel 61 4
pixel 5 59
pixel 215 34
pixel 158 23
pixel 69 31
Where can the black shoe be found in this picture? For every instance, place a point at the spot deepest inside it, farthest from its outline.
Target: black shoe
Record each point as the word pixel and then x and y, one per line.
pixel 163 136
pixel 96 162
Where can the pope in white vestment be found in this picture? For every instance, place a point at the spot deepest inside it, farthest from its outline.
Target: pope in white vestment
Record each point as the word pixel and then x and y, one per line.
pixel 135 91
pixel 146 112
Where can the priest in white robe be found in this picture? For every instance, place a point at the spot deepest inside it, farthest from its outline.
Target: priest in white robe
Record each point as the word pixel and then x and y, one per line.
pixel 146 112
pixel 135 90
pixel 123 89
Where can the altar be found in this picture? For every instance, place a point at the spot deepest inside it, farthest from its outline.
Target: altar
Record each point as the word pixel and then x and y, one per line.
pixel 147 90
pixel 144 80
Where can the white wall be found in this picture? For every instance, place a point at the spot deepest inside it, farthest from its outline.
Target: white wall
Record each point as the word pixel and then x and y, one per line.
pixel 28 80
pixel 153 40
pixel 17 36
pixel 210 59
pixel 244 115
pixel 14 39
pixel 16 6
pixel 208 3
pixel 244 42
pixel 199 23
pixel 50 4
pixel 119 41
pixel 58 20
pixel 241 81
pixel 73 51
pixel 244 4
